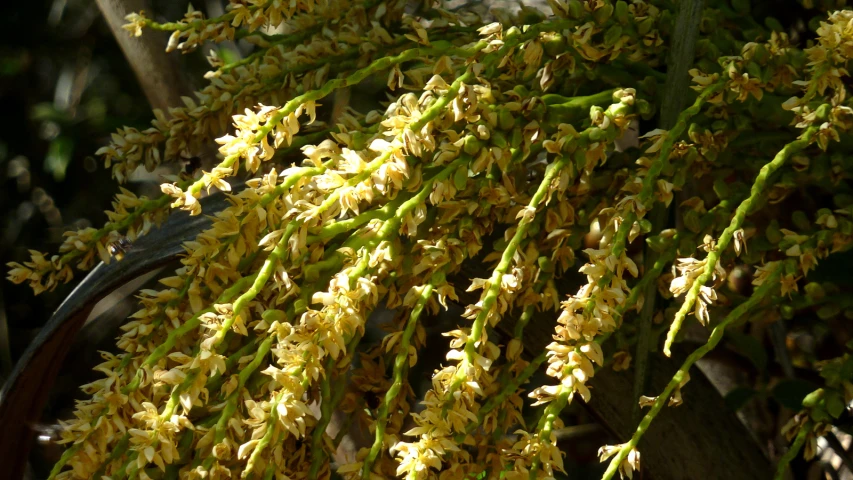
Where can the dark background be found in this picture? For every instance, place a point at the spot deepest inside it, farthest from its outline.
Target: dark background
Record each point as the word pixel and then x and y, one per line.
pixel 64 87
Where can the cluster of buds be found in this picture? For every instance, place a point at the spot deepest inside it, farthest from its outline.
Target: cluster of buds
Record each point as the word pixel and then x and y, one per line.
pixel 501 155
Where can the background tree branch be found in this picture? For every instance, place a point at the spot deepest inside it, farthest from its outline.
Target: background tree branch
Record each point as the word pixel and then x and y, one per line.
pixel 157 72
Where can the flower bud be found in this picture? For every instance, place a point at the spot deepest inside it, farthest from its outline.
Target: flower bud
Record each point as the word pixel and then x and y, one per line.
pixel 692 221
pixel 773 24
pixel 741 6
pixel 299 306
pixel 644 108
pixel 596 134
pixel 773 233
pixel 517 138
pixel 801 221
pixel 814 291
pixel 721 188
pixel 576 11
pixel 741 123
pixel 819 414
pixel 753 69
pixel 828 311
pixel 603 14
pixel 705 48
pixel 659 243
pixel 460 178
pixel 545 264
pixel 273 315
pixel 645 26
pixel 506 120
pixel 472 145
pixel 612 35
pixel 499 140
pixel 555 45
pixel 760 54
pixel 621 12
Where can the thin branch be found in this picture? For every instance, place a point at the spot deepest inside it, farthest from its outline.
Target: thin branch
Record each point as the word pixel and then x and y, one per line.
pixel 158 75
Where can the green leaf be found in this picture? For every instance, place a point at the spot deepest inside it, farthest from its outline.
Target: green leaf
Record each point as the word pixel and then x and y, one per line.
pixel 612 35
pixel 838 370
pixel 814 291
pixel 460 178
pixel 721 188
pixel 691 221
pixel 834 403
pixel 738 397
pixel 846 371
pixel 750 348
pixel 659 243
pixel 58 157
pixel 828 311
pixel 773 24
pixel 790 393
pixel 227 55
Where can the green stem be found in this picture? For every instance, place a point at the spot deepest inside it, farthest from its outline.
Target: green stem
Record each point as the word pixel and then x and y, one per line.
pixel 328 403
pixel 509 388
pixel 271 430
pixel 770 283
pixel 146 207
pixel 650 180
pixel 281 249
pixel 260 280
pixel 792 452
pixel 400 365
pixel 164 348
pixel 573 109
pixel 723 242
pixel 653 266
pixel 231 403
pixel 494 286
pixel 552 413
pixel 438 48
pixel 621 309
pixel 199 24
pixel 680 60
pixel 390 226
pixel 286 41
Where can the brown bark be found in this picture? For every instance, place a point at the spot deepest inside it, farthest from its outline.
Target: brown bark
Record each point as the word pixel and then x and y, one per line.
pixel 158 73
pixel 702 438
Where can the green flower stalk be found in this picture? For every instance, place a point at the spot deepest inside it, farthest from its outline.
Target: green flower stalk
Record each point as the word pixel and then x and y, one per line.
pixel 769 284
pixel 793 451
pixel 445 150
pixel 401 363
pixel 494 284
pixel 710 262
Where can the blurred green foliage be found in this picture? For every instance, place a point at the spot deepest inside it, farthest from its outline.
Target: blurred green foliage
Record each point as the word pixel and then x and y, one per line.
pixel 64 86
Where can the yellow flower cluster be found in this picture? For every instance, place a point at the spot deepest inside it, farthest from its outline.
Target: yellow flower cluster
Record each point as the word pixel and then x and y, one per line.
pixel 495 156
